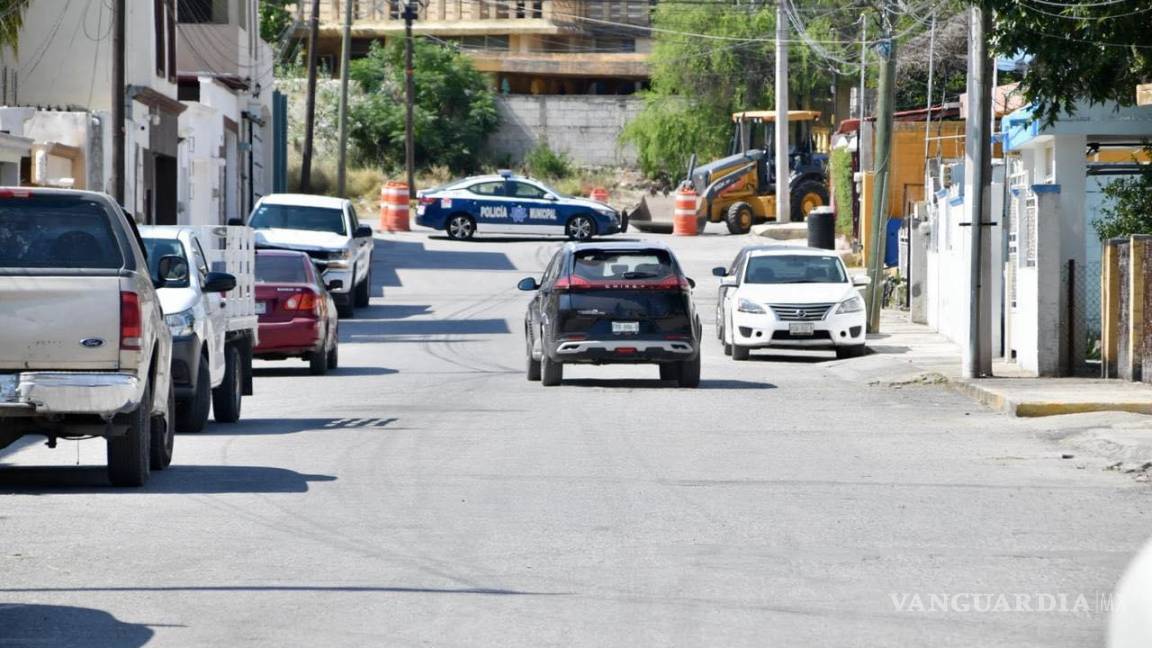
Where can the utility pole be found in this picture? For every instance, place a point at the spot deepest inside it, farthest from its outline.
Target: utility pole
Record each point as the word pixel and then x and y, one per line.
pixel 409 99
pixel 977 355
pixel 345 57
pixel 882 165
pixel 863 65
pixel 117 179
pixel 781 167
pixel 310 116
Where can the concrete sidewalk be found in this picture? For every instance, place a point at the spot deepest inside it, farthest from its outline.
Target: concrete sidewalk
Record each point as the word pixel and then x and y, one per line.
pixel 1104 417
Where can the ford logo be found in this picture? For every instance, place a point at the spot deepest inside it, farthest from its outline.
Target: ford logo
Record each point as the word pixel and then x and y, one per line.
pixel 92 343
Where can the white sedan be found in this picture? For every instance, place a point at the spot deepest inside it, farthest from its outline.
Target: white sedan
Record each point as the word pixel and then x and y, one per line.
pixel 791 297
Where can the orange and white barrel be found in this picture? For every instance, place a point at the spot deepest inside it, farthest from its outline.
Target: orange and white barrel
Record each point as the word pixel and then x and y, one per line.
pixel 395 210
pixel 684 218
pixel 599 194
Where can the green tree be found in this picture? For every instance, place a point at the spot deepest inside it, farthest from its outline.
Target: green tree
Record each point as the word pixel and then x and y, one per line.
pixel 1129 210
pixel 11 20
pixel 1094 51
pixel 274 20
pixel 454 109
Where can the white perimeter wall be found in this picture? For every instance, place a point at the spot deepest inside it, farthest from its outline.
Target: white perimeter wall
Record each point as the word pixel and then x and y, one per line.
pixel 586 127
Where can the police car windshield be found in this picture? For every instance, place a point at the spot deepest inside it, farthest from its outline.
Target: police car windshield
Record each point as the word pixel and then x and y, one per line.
pixel 794 269
pixel 299 217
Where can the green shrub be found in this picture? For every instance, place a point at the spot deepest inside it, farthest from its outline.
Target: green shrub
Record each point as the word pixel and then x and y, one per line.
pixel 1130 209
pixel 840 179
pixel 543 162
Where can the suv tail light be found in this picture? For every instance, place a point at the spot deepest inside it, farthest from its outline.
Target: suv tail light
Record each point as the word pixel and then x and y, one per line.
pixel 576 282
pixel 131 321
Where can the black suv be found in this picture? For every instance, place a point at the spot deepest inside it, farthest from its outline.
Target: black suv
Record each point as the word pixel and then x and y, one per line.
pixel 601 303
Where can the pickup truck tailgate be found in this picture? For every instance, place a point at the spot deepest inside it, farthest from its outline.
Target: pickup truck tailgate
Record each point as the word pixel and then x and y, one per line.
pixel 59 322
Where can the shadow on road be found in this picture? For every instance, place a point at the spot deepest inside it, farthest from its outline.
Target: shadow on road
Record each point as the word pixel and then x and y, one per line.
pixel 390 256
pixel 176 480
pixel 63 625
pixel 480 238
pixel 301 369
pixel 424 327
pixel 281 588
pixel 257 427
pixel 664 384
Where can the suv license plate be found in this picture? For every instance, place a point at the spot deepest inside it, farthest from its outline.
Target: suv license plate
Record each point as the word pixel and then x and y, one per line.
pixel 8 385
pixel 801 328
pixel 625 327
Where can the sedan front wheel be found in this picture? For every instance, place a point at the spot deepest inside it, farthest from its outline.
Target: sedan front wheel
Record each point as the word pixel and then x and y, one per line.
pixel 461 227
pixel 580 228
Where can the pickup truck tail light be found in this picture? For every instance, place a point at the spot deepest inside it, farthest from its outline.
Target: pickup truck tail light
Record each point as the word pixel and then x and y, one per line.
pixel 131 321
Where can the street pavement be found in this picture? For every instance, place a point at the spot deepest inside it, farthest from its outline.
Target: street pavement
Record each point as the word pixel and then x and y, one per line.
pixel 426 494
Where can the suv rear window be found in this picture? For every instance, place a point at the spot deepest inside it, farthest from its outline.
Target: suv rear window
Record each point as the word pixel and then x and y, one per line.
pixel 65 232
pixel 617 265
pixel 279 268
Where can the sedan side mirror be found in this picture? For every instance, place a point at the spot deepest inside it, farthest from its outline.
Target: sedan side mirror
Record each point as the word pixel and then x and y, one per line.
pixel 528 284
pixel 551 197
pixel 235 222
pixel 171 268
pixel 719 272
pixel 362 231
pixel 861 280
pixel 220 282
pixel 691 282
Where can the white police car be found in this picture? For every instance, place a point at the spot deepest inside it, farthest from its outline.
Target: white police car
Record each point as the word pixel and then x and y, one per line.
pixel 511 204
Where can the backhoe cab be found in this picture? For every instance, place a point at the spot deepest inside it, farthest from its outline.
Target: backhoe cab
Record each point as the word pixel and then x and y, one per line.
pixel 741 189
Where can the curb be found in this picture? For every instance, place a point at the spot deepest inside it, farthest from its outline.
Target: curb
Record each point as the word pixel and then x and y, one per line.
pixel 1027 409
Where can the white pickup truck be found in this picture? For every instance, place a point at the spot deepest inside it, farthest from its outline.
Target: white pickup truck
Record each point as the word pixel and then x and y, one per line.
pixel 84 350
pixel 210 310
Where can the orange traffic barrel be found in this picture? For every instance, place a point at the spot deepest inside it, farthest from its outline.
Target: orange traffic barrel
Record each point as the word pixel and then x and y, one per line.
pixel 394 207
pixel 599 194
pixel 684 218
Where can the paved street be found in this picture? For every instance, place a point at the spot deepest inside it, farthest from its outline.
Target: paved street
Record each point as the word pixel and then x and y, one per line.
pixel 426 494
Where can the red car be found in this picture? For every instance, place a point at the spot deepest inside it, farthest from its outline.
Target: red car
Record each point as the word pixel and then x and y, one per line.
pixel 297 314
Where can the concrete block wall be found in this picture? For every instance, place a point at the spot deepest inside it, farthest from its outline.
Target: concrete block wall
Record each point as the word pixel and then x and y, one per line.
pixel 586 127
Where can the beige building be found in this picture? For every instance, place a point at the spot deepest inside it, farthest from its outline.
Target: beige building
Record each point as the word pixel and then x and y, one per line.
pixel 544 47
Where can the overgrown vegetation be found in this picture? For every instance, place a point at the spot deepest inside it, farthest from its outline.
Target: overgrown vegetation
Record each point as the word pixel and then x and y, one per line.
pixel 1129 208
pixel 543 162
pixel 454 109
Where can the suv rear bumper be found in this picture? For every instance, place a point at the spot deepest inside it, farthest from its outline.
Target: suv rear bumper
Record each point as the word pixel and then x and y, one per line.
pixel 624 351
pixel 44 392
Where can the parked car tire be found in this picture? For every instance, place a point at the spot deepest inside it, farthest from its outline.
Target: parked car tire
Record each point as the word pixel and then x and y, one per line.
pixel 853 351
pixel 363 293
pixel 551 372
pixel 164 434
pixel 580 228
pixel 532 366
pixel 740 353
pixel 460 227
pixel 739 218
pixel 193 414
pixel 727 349
pixel 226 398
pixel 345 311
pixel 129 456
pixel 689 373
pixel 318 363
pixel 334 355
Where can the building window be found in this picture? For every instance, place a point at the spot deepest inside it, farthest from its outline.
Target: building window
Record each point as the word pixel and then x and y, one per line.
pixel 203 11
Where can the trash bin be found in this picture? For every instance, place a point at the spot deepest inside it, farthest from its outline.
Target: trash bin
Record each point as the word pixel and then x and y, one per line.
pixel 822 228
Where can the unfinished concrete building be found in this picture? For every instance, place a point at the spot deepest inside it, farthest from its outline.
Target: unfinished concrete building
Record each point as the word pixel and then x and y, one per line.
pixel 542 47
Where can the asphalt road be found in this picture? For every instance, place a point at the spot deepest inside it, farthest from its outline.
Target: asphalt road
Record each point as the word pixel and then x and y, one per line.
pixel 426 494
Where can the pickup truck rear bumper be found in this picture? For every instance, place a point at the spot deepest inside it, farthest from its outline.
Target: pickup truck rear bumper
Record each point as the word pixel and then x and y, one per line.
pixel 36 393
